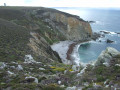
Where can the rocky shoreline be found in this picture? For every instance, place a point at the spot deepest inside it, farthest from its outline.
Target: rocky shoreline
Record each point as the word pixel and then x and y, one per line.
pixel 66 52
pixel 70 51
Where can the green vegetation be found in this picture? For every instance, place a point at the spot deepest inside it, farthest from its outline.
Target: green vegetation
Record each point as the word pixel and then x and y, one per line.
pixel 60 67
pixel 13 41
pixel 90 86
pixel 53 87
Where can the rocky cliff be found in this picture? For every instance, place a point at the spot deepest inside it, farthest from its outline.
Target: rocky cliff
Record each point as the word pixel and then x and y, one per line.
pixel 45 26
pixel 72 27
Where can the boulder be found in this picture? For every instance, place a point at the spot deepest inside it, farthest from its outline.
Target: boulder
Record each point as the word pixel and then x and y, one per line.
pixel 41 68
pixel 19 67
pixel 106 56
pixel 96 35
pixel 2 65
pixel 31 79
pixel 29 59
pixel 71 88
pixel 109 41
pixel 92 21
pixel 105 32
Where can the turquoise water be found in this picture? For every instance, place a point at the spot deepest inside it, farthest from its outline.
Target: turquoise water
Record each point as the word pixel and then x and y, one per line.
pixel 106 19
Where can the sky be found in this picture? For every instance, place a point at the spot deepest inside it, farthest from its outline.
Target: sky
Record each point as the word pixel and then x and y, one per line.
pixel 63 3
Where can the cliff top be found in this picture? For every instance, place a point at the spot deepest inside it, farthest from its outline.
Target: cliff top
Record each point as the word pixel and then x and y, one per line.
pixel 43 9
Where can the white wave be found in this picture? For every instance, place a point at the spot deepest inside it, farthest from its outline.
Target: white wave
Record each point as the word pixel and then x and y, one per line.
pixel 109 32
pixel 75 55
pixel 99 22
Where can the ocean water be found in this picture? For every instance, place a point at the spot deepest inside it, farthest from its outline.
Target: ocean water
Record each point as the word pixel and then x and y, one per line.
pixel 107 20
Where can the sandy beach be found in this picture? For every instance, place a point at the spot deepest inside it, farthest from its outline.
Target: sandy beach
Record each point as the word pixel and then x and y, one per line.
pixel 68 51
pixel 62 48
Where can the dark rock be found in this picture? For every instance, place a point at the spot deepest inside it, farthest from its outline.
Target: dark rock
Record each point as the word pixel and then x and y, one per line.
pixel 105 32
pixel 28 80
pixel 109 41
pixel 117 77
pixel 92 21
pixel 54 53
pixel 96 36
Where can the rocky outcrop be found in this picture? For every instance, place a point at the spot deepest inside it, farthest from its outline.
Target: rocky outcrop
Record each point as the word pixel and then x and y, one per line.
pixel 106 56
pixel 109 41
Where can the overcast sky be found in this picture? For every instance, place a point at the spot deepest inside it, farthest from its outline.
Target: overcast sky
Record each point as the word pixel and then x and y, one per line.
pixel 63 3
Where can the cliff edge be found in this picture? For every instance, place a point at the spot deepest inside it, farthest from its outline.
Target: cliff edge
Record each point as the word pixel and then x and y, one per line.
pixel 71 26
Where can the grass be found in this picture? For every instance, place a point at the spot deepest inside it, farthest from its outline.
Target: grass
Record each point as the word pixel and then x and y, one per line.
pixel 15 23
pixel 13 41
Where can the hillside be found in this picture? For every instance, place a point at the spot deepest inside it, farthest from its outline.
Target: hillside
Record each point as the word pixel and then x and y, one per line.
pixel 27 61
pixel 39 27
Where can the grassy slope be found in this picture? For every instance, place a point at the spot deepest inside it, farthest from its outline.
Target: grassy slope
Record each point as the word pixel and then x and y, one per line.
pixel 15 23
pixel 13 41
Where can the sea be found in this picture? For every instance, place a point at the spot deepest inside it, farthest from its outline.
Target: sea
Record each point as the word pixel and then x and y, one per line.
pixel 106 19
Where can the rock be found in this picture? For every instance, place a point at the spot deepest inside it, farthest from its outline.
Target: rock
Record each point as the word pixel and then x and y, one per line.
pixel 106 86
pixel 2 65
pixel 29 59
pixel 31 79
pixel 75 68
pixel 99 40
pixel 12 67
pixel 118 77
pixel 109 41
pixel 59 82
pixel 97 87
pixel 86 84
pixel 106 56
pixel 65 71
pixel 62 86
pixel 91 21
pixel 117 65
pixel 96 35
pixel 105 32
pixel 41 68
pixel 19 67
pixel 71 88
pixel 106 82
pixel 11 73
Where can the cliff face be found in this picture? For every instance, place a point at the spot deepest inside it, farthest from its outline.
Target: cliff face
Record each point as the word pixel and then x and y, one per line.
pixel 72 27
